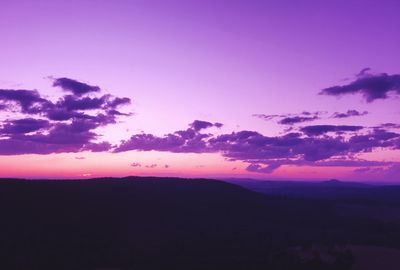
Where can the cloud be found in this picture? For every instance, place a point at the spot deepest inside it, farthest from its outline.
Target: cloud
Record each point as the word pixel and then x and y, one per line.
pixel 183 141
pixel 24 145
pixel 28 101
pixel 76 136
pixel 387 172
pixel 389 125
pixel 379 138
pixel 351 163
pixel 321 129
pixel 71 103
pixel 265 154
pixel 290 119
pixel 21 126
pixel 152 166
pixel 370 86
pixel 97 147
pixel 75 87
pixel 349 113
pixel 44 127
pixel 266 117
pixel 198 125
pixel 363 72
pixel 136 164
pixel 263 169
pixel 69 124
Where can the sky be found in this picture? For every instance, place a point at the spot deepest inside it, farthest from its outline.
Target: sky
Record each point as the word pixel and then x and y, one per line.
pixel 249 89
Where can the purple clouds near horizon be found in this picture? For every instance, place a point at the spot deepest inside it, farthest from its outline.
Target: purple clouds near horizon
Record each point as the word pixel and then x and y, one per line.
pixel 182 141
pixel 291 119
pixel 68 125
pixel 316 130
pixel 311 146
pixel 371 86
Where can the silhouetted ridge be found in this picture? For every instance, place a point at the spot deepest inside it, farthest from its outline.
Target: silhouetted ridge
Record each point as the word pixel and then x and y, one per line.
pixel 161 223
pixel 333 182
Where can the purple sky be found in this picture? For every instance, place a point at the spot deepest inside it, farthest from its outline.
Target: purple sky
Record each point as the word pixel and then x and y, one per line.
pixel 287 81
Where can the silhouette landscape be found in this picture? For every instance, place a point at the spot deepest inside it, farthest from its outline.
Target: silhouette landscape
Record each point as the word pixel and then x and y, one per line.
pixel 188 134
pixel 152 223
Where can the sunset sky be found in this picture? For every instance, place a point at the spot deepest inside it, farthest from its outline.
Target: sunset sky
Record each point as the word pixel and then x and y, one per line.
pixel 259 89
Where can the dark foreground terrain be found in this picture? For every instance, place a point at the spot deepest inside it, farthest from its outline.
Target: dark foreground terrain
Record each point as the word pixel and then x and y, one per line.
pixel 169 223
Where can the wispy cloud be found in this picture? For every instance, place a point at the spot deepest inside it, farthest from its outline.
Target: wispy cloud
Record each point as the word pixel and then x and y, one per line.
pixel 349 113
pixel 291 119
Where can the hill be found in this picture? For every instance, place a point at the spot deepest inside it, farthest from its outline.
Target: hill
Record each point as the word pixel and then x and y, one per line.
pixel 153 223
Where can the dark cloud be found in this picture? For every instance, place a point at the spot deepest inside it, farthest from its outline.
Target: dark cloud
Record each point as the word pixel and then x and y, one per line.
pixel 375 139
pixel 349 113
pixel 179 142
pixel 26 125
pixel 61 114
pixel 96 147
pixel 363 72
pixel 28 101
pixel 199 125
pixel 182 141
pixel 316 130
pixel 23 145
pixel 292 148
pixel 63 126
pixel 113 103
pixel 265 154
pixel 105 102
pixel 69 125
pixel 75 87
pixel 371 86
pixel 70 107
pixel 71 103
pixel 76 136
pixel 291 119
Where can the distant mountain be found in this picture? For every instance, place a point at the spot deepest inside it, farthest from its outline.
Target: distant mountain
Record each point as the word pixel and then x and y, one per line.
pixel 166 223
pixel 286 183
pixel 338 183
